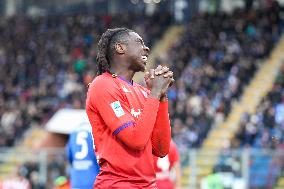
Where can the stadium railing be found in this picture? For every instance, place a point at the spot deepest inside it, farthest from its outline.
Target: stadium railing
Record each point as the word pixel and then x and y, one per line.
pixel 235 166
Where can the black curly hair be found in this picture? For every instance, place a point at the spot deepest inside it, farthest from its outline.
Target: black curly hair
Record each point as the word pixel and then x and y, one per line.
pixel 106 47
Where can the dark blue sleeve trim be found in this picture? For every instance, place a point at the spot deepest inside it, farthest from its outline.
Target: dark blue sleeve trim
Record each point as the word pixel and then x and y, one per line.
pixel 125 125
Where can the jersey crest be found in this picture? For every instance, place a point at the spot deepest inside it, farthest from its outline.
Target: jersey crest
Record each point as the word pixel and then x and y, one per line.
pixel 135 113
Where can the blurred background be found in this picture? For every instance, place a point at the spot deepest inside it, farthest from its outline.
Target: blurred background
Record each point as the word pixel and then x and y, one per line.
pixel 226 106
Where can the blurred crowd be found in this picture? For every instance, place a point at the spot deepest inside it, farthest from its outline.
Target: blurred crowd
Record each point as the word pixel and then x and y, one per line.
pixel 265 128
pixel 213 61
pixel 47 62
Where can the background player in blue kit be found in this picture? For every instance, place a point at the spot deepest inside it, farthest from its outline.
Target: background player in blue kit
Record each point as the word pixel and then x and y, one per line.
pixel 81 155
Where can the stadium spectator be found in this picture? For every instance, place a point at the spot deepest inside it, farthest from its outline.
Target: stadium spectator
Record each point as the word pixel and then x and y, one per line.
pixel 168 173
pixel 61 182
pixel 80 153
pixel 129 122
pixel 215 58
pixel 213 181
pixel 46 63
pixel 265 128
pixel 44 58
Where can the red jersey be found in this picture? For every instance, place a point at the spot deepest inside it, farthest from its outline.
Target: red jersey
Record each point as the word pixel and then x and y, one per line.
pixel 163 167
pixel 127 126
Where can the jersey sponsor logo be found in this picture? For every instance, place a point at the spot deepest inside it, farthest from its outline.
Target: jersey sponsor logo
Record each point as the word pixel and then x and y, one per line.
pixel 135 113
pixel 82 164
pixel 116 107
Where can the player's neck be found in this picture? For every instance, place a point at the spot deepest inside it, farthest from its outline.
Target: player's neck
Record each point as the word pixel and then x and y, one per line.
pixel 122 73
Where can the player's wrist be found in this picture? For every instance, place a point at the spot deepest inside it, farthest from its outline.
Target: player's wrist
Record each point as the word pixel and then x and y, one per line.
pixel 155 94
pixel 164 98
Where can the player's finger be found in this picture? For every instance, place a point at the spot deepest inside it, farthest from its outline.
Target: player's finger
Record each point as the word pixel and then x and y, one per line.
pixel 159 67
pixel 158 70
pixel 169 74
pixel 165 69
pixel 147 75
pixel 152 73
pixel 172 82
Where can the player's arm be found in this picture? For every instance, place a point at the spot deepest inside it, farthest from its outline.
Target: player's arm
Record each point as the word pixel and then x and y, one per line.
pixel 162 132
pixel 116 113
pixel 161 135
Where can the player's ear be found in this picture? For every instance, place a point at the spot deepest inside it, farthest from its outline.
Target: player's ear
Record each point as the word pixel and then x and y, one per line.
pixel 120 48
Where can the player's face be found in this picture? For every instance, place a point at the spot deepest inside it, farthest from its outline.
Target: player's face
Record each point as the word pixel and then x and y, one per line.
pixel 137 53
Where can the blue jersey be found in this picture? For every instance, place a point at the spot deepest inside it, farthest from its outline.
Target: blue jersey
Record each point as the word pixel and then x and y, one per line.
pixel 81 155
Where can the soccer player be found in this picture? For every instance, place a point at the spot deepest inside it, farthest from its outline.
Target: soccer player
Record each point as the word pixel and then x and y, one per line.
pixel 168 169
pixel 80 152
pixel 129 122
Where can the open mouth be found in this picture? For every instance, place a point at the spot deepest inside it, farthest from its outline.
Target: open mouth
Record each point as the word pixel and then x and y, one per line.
pixel 145 58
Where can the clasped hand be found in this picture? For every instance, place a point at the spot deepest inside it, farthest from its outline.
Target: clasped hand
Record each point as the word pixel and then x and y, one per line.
pixel 159 80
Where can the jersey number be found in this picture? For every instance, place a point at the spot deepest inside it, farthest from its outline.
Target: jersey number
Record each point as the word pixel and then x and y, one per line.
pixel 81 140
